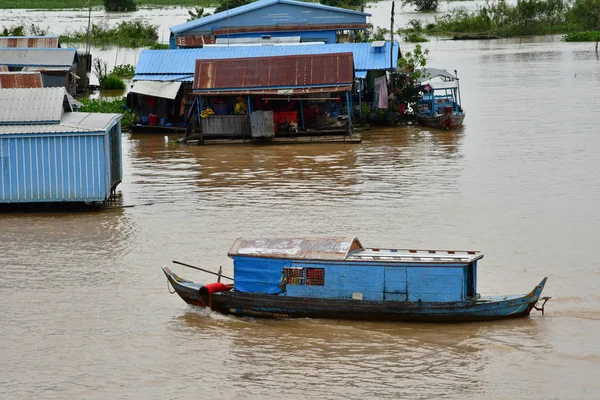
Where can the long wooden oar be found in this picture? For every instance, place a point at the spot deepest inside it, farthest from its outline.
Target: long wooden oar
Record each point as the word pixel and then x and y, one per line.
pixel 203 270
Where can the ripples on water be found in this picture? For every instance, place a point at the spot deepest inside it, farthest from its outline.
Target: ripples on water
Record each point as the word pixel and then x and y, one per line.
pixel 86 313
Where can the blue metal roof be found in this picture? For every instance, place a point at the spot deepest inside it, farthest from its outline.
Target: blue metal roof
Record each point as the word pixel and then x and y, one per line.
pixel 178 63
pixel 255 6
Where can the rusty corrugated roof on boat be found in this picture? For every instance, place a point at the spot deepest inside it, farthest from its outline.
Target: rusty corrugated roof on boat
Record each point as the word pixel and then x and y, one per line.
pixel 295 248
pixel 276 75
pixel 20 80
pixel 39 42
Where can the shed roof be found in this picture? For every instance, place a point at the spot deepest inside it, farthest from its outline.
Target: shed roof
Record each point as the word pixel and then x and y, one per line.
pixel 340 249
pixel 40 42
pixel 275 75
pixel 295 248
pixel 13 80
pixel 38 57
pixel 72 122
pixel 32 106
pixel 181 62
pixel 197 23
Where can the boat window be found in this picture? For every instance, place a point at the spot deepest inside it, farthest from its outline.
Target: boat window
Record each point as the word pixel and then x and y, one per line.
pixel 304 276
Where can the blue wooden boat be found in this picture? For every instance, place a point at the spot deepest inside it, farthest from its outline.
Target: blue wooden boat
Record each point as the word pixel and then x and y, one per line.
pixel 439 106
pixel 340 279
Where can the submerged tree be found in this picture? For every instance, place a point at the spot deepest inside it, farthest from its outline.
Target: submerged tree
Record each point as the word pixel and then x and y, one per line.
pixel 229 4
pixel 120 5
pixel 197 13
pixel 423 5
pixel 412 66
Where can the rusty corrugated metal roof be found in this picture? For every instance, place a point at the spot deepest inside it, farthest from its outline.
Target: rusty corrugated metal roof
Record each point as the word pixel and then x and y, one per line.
pixel 39 42
pixel 295 248
pixel 20 80
pixel 277 75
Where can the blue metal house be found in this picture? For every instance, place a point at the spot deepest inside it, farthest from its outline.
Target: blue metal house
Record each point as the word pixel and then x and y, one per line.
pixel 270 18
pixel 50 154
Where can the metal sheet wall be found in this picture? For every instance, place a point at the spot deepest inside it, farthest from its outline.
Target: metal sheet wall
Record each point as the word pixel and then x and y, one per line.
pixel 68 168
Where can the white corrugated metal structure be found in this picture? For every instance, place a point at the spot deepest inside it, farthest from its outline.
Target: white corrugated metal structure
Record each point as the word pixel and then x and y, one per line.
pixel 49 154
pixel 33 105
pixel 17 57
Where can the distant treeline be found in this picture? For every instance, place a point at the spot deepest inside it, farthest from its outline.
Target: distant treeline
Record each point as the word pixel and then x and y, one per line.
pixel 579 19
pixel 62 4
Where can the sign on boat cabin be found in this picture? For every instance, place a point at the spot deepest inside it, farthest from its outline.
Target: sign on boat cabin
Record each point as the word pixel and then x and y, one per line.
pixel 344 269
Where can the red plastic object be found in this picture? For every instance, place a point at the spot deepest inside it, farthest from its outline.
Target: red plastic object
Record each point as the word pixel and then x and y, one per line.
pixel 217 287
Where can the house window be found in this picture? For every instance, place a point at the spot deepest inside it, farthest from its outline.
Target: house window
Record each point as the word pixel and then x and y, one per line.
pixel 304 276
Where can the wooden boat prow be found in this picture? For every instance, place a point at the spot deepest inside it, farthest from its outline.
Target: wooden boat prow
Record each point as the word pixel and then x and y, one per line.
pixel 338 278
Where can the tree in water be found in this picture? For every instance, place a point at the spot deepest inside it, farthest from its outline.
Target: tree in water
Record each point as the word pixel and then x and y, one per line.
pixel 412 66
pixel 229 4
pixel 196 13
pixel 120 5
pixel 423 5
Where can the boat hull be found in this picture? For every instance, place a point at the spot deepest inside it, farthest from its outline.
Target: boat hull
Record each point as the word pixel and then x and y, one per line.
pixel 438 121
pixel 276 306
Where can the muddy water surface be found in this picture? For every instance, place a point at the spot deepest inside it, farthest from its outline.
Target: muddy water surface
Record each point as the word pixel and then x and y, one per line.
pixel 85 307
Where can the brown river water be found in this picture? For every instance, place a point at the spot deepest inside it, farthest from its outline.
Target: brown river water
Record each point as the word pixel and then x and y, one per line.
pixel 86 313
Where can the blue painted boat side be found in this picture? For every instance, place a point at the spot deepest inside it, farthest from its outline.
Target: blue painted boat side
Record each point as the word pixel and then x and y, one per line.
pixel 55 168
pixel 371 281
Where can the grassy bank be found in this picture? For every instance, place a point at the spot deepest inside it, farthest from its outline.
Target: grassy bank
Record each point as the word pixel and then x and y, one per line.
pixel 69 4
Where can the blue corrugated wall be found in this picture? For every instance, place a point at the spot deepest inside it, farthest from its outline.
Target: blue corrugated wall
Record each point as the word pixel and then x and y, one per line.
pixel 403 282
pixel 57 168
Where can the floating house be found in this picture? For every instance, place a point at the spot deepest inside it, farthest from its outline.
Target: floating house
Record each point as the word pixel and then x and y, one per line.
pixel 275 97
pixel 49 154
pixel 163 79
pixel 270 19
pixel 58 67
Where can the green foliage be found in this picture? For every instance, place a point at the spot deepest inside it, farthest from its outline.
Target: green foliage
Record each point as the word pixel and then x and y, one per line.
pixel 411 64
pixel 586 13
pixel 229 4
pixel 415 38
pixel 124 71
pixel 120 5
pixel 160 46
pixel 72 4
pixel 526 17
pixel 113 82
pixel 589 36
pixel 18 30
pixel 196 13
pixel 351 4
pixel 423 5
pixel 116 106
pixel 135 33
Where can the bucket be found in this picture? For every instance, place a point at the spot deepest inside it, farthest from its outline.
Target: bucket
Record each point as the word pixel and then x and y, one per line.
pixel 161 121
pixel 144 120
pixel 221 109
pixel 152 119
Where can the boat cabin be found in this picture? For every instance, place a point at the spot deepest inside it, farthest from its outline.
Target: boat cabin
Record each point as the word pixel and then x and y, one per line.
pixel 341 268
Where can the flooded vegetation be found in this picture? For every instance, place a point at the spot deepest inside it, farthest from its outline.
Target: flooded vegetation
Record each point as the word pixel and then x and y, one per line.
pixel 525 18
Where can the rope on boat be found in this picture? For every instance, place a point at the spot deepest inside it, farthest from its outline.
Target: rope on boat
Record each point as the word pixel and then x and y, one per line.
pixel 541 308
pixel 168 287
